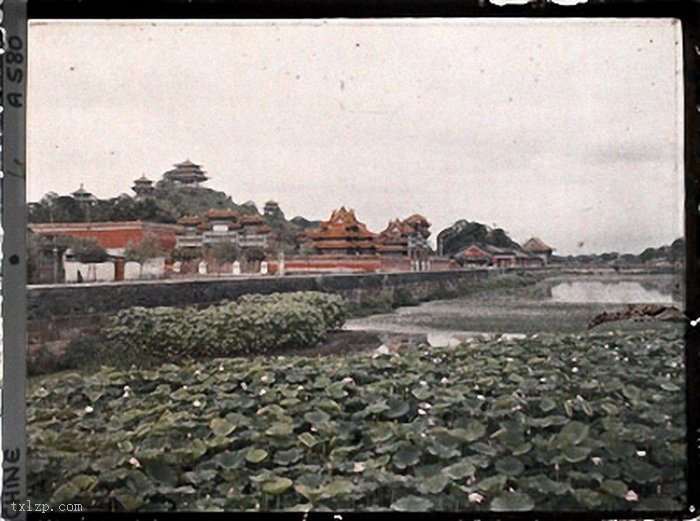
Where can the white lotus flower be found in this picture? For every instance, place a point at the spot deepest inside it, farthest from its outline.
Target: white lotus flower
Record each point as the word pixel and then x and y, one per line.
pixel 421 412
pixel 425 405
pixel 300 387
pixel 631 495
pixel 262 392
pixel 135 463
pixel 348 380
pixel 197 372
pixel 641 453
pixel 574 369
pixel 481 396
pixel 221 368
pixel 265 379
pixel 88 409
pixel 359 467
pixel 423 383
pixel 475 497
pixel 444 380
pixel 597 461
pixel 244 386
pixel 197 403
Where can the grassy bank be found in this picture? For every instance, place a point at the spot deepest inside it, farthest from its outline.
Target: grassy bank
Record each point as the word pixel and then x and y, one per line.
pixel 402 297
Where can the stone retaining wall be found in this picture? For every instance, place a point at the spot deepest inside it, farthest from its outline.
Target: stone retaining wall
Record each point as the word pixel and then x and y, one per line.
pixel 59 313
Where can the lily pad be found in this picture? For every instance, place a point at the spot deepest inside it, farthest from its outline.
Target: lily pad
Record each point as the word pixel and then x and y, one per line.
pixel 397 409
pixel 161 473
pixel 460 470
pixel 406 456
pixel 256 455
pixel 433 485
pixel 412 504
pixel 277 485
pixel 510 466
pixel 573 433
pixel 280 429
pixel 614 487
pixel 575 454
pixel 287 457
pixel 512 502
pixel 221 426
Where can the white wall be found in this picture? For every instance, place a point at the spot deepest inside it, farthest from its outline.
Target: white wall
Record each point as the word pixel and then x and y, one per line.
pixel 91 272
pixel 152 269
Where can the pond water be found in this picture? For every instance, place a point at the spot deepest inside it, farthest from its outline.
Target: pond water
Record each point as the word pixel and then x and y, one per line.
pixel 622 292
pixel 560 305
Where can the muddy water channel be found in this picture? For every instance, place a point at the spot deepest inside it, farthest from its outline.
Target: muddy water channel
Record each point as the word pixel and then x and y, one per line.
pixel 559 304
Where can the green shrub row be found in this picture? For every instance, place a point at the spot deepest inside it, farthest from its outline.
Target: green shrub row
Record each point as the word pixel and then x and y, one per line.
pixel 253 324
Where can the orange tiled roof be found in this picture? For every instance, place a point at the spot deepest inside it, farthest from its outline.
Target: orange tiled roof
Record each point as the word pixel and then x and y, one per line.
pixel 252 219
pixel 221 213
pixel 536 245
pixel 343 244
pixel 189 219
pixel 342 224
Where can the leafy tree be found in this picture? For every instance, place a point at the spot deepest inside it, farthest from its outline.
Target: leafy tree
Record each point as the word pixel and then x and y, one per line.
pixel 188 200
pixel 67 209
pixel 185 254
pixel 254 254
pixel 87 250
pixel 677 250
pixel 223 251
pixel 464 233
pixel 148 248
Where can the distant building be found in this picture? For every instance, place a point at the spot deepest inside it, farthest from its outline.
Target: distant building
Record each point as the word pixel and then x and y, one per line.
pixel 406 239
pixel 481 255
pixel 537 247
pixel 83 196
pixel 112 235
pixel 143 187
pixel 223 225
pixel 273 212
pixel 473 256
pixel 186 173
pixel 342 234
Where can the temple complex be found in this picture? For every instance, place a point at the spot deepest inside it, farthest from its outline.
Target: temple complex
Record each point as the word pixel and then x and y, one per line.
pixel 223 225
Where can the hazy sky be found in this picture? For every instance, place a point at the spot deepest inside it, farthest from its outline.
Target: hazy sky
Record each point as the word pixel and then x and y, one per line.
pixel 567 130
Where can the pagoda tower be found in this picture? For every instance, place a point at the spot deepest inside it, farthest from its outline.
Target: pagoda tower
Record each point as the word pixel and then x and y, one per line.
pixel 186 173
pixel 143 187
pixel 83 196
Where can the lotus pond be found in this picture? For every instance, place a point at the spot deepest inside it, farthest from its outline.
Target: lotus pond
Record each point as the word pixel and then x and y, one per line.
pixel 548 422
